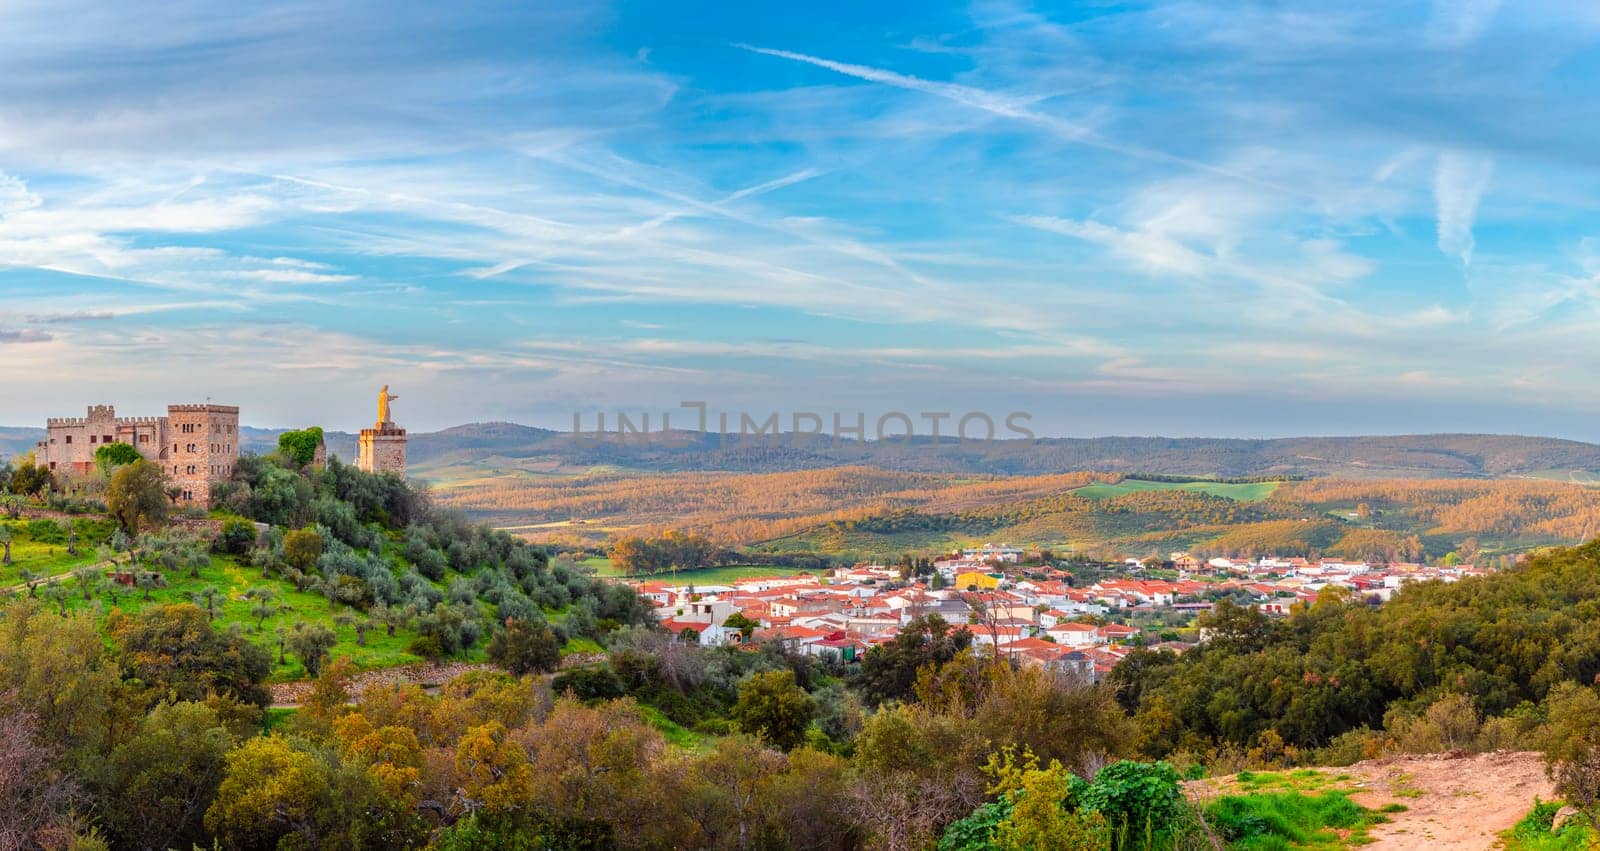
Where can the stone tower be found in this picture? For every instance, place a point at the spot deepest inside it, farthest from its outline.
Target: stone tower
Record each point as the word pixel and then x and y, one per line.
pixel 383 447
pixel 204 441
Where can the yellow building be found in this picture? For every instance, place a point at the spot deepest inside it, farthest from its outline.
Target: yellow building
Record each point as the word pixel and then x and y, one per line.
pixel 986 581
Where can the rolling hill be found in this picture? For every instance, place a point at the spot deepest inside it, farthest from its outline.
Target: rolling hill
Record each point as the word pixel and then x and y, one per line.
pixel 502 448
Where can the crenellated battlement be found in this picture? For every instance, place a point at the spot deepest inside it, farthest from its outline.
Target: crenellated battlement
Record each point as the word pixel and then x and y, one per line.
pixel 207 452
pixel 67 422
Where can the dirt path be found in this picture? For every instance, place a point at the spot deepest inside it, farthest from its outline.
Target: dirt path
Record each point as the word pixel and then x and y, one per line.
pixel 1462 802
pixel 1456 801
pixel 51 580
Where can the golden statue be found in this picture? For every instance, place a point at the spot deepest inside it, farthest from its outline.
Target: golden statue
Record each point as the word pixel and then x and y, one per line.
pixel 384 398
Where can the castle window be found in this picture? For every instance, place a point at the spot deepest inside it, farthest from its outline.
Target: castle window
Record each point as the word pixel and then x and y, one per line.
pixel 91 439
pixel 69 439
pixel 52 465
pixel 106 439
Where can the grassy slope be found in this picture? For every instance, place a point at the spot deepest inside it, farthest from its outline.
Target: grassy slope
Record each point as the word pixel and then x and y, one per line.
pixel 44 559
pixel 233 579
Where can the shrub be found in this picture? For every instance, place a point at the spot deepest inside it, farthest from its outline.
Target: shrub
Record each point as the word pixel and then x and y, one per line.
pixel 426 646
pixel 524 648
pixel 236 538
pixel 596 682
pixel 46 531
pixel 1136 798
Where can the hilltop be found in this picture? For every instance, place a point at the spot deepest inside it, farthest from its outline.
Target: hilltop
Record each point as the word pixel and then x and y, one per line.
pixel 1438 455
pixel 479 448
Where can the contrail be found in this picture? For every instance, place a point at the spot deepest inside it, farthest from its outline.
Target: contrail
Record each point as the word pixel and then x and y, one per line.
pixel 998 104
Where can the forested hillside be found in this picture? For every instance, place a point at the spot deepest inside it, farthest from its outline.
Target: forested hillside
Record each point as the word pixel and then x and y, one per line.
pixel 488 448
pixel 1494 656
pixel 511 447
pixel 870 512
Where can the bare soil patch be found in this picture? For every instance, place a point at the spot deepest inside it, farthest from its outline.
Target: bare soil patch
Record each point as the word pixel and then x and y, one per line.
pixel 1453 800
pixel 1460 801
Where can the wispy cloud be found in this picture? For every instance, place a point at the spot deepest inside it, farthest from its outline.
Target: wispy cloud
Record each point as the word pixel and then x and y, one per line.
pixel 1015 107
pixel 1459 182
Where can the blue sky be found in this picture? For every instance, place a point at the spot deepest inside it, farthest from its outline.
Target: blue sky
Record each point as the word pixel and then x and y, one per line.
pixel 1226 218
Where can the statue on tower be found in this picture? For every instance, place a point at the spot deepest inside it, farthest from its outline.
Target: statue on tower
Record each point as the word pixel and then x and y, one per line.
pixel 382 448
pixel 384 398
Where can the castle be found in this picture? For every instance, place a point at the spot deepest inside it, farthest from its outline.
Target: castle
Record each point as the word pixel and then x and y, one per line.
pixel 194 444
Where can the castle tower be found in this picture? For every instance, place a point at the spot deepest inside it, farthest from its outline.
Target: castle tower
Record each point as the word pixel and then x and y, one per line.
pixel 204 448
pixel 383 447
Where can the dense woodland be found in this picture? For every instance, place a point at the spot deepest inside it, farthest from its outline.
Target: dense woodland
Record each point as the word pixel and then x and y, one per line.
pixel 1340 680
pixel 869 512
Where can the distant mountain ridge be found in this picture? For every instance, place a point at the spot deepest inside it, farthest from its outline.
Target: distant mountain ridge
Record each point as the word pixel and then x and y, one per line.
pixel 509 446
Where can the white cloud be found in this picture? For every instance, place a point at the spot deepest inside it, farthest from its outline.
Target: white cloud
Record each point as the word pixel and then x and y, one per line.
pixel 1459 182
pixel 14 196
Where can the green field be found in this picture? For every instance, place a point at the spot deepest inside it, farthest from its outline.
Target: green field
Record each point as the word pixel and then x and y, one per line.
pixel 1250 492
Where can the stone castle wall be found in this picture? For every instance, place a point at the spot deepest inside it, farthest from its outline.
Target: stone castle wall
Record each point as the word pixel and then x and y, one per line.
pixel 194 444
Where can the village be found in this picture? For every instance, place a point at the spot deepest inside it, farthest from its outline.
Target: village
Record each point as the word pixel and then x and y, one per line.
pixel 1033 613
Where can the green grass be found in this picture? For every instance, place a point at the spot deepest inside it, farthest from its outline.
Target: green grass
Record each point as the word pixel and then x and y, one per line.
pixel 46 555
pixel 1250 492
pixel 277 717
pixel 1534 833
pixel 1269 821
pixel 579 644
pixel 675 733
pixel 381 650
